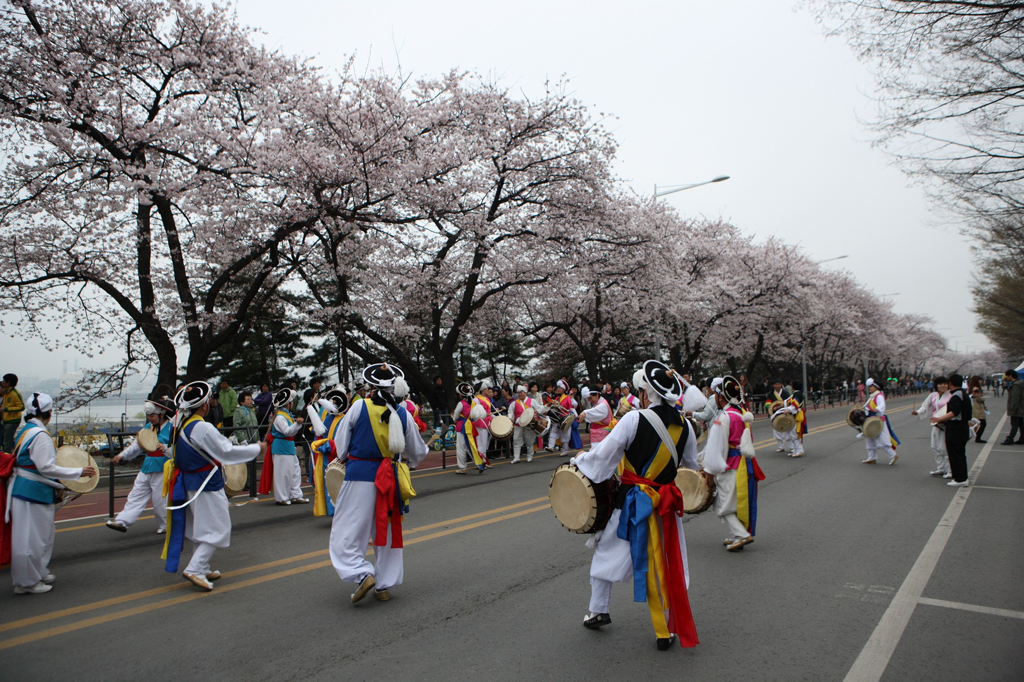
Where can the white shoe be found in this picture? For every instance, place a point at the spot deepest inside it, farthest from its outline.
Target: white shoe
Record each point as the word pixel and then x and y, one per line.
pixel 161 530
pixel 947 475
pixel 49 578
pixel 781 450
pixel 936 473
pixel 515 461
pixel 529 459
pixel 958 484
pixel 38 588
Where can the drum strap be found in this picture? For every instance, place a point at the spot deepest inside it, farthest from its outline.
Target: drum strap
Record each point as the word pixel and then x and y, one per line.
pixel 655 421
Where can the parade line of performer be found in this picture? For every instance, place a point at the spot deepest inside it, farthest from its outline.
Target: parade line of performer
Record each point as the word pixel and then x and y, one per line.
pixel 644 540
pixel 149 484
pixel 197 503
pixel 374 436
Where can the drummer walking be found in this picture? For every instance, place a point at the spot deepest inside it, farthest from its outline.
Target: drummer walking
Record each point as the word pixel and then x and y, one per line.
pixel 149 484
pixel 523 433
pixel 33 496
pixel 647 446
pixel 598 415
pixel 886 441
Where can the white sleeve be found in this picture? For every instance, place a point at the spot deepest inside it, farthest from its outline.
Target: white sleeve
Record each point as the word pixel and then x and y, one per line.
pixel 600 463
pixel 690 449
pixel 207 438
pixel 716 448
pixel 880 405
pixel 343 435
pixel 596 414
pixel 44 456
pixel 131 452
pixel 706 414
pixel 925 411
pixel 415 448
pixel 282 426
pixel 318 426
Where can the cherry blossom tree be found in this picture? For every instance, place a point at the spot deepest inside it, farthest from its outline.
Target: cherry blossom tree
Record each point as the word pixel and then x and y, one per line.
pixel 140 194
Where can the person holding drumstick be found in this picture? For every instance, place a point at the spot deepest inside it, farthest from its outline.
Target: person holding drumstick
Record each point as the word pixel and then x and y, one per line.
pixel 736 475
pixel 149 484
pixel 197 502
pixel 374 436
pixel 32 502
pixel 523 435
pixel 647 446
pixel 598 415
pixel 469 428
pixel 561 407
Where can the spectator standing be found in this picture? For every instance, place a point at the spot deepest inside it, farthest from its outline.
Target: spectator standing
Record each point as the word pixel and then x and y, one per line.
pixel 13 406
pixel 1014 407
pixel 264 405
pixel 245 416
pixel 438 402
pixel 958 430
pixel 228 399
pixel 309 395
pixel 215 415
pixel 860 391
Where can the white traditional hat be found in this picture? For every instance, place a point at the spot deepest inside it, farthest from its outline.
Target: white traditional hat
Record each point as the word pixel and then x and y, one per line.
pixel 659 378
pixel 40 404
pixel 563 384
pixel 284 397
pixel 585 392
pixel 624 385
pixel 193 395
pixel 521 389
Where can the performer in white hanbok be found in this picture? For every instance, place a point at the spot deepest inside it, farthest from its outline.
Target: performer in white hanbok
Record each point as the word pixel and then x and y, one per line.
pixel 778 394
pixel 929 407
pixel 560 408
pixel 707 413
pixel 372 440
pixel 794 438
pixel 149 484
pixel 31 498
pixel 886 441
pixel 736 472
pixel 287 473
pixel 523 435
pixel 644 539
pixel 598 415
pixel 198 505
pixel 470 427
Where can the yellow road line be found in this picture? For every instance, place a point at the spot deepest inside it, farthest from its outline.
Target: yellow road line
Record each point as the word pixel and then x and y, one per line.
pixel 146 608
pixel 243 571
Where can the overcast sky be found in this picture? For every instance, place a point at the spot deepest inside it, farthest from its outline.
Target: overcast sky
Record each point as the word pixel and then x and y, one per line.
pixel 693 90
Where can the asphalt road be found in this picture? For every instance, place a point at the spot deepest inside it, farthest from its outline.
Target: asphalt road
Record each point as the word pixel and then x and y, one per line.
pixel 858 572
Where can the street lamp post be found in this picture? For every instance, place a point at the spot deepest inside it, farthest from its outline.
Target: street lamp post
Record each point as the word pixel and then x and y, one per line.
pixel 672 189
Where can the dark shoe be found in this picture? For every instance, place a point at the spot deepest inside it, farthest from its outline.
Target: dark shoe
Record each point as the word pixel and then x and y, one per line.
pixel 976 440
pixel 367 584
pixel 1018 442
pixel 1006 442
pixel 594 621
pixel 664 644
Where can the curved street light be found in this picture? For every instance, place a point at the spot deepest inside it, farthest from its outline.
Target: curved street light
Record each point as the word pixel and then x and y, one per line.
pixel 672 189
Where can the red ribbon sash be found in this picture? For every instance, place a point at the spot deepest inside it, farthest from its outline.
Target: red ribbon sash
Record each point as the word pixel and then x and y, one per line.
pixel 387 504
pixel 670 505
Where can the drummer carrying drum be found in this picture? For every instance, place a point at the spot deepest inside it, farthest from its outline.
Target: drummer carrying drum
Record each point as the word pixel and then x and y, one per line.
pixel 33 495
pixel 644 540
pixel 154 442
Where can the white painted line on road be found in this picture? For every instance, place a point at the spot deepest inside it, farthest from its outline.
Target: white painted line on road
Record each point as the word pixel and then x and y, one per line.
pixel 1008 450
pixel 1006 613
pixel 874 657
pixel 995 487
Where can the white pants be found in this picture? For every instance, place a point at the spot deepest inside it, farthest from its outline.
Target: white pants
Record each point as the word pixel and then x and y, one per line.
pixel 725 503
pixel 208 526
pixel 462 454
pixel 612 563
pixel 792 441
pixel 938 445
pixel 287 478
pixel 352 528
pixel 558 433
pixel 520 437
pixel 32 536
pixel 780 439
pixel 880 442
pixel 148 487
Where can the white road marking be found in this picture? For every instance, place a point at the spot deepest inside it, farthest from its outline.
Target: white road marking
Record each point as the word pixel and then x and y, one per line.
pixel 874 657
pixel 1006 613
pixel 996 487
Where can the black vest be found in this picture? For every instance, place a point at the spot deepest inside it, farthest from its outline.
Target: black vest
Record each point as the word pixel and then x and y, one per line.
pixel 646 443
